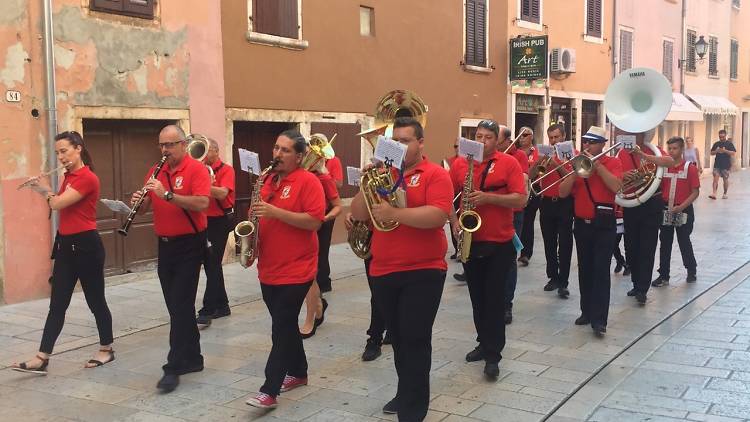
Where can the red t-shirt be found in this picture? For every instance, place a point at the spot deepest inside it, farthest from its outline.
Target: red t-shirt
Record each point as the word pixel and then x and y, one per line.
pixel 190 178
pixel 584 208
pixel 287 254
pixel 334 169
pixel 329 187
pixel 504 176
pixel 224 178
pixel 521 157
pixel 687 180
pixel 81 216
pixel 408 248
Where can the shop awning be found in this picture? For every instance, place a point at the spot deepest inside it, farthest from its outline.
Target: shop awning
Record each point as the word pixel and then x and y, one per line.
pixel 683 110
pixel 711 104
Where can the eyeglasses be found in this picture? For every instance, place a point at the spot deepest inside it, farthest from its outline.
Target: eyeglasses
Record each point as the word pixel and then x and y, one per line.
pixel 169 145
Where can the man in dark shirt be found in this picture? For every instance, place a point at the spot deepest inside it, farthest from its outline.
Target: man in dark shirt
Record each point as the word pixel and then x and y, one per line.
pixel 724 150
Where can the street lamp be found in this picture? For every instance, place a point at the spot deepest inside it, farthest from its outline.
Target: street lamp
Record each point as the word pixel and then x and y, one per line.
pixel 701 47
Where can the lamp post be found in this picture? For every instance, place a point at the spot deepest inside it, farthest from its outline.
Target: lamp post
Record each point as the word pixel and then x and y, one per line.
pixel 701 48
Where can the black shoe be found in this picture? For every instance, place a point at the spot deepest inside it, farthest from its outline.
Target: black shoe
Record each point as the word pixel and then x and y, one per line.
pixel 322 318
pixel 632 292
pixel 391 408
pixel 190 369
pixel 660 281
pixel 641 298
pixel 524 261
pixel 563 293
pixel 582 320
pixel 372 351
pixel 460 276
pixel 618 268
pixel 626 270
pixel 168 383
pixel 203 321
pixel 691 278
pixel 222 312
pixel 387 339
pixel 453 256
pixel 508 316
pixel 475 355
pixel 550 286
pixel 599 330
pixel 310 334
pixel 491 370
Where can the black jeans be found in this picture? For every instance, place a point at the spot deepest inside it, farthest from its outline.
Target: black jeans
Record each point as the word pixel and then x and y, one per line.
pixel 77 256
pixel 409 301
pixel 324 245
pixel 486 278
pixel 377 322
pixel 215 296
pixel 594 246
pixel 556 221
pixel 527 233
pixel 287 355
pixel 179 268
pixel 510 285
pixel 666 238
pixel 641 232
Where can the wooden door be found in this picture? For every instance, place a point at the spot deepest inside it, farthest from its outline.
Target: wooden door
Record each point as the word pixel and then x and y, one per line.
pixel 347 147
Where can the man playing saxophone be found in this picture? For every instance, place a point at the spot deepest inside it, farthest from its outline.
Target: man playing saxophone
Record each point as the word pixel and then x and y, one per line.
pixel 497 188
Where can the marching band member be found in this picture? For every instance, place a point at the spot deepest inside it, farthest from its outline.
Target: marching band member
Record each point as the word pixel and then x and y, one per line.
pixel 220 215
pixel 179 196
pixel 680 186
pixel 499 188
pixel 595 228
pixel 532 206
pixel 642 222
pixel 323 278
pixel 291 210
pixel 78 252
pixel 556 222
pixel 408 267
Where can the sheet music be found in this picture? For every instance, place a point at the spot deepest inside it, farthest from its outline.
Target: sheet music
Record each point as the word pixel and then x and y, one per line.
pixel 116 206
pixel 628 141
pixel 249 161
pixel 390 152
pixel 545 150
pixel 564 150
pixel 468 147
pixel 353 174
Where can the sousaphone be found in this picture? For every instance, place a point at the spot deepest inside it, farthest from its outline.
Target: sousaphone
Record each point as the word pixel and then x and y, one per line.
pixel 398 103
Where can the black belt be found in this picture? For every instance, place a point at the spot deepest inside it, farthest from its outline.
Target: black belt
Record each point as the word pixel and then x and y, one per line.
pixel 584 220
pixel 554 198
pixel 177 238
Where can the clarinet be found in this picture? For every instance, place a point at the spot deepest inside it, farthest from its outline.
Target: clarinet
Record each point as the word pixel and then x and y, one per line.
pixel 125 227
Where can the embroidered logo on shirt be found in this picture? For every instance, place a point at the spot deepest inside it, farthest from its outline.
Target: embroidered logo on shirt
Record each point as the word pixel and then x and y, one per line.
pixel 178 182
pixel 414 180
pixel 492 167
pixel 285 192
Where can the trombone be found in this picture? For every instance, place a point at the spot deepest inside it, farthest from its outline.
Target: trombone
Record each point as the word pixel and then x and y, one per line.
pixel 583 166
pixel 514 141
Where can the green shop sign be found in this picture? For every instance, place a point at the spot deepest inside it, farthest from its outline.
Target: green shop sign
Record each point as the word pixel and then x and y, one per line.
pixel 528 58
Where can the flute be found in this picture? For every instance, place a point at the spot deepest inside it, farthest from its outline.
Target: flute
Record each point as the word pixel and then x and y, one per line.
pixel 35 179
pixel 126 226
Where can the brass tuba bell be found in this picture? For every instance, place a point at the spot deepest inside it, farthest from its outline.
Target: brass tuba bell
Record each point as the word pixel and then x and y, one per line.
pixel 197 148
pixel 318 149
pixel 398 103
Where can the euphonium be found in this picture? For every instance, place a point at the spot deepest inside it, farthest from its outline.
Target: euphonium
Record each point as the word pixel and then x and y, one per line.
pixel 359 238
pixel 468 220
pixel 247 231
pixel 319 149
pixel 198 149
pixel 373 182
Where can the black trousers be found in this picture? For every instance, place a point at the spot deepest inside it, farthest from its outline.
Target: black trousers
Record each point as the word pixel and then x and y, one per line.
pixel 486 277
pixel 409 301
pixel 179 268
pixel 77 256
pixel 666 238
pixel 287 353
pixel 594 246
pixel 619 258
pixel 527 233
pixel 377 322
pixel 512 280
pixel 215 296
pixel 324 245
pixel 556 221
pixel 641 232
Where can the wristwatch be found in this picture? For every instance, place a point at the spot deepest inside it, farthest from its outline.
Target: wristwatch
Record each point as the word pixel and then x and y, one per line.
pixel 168 196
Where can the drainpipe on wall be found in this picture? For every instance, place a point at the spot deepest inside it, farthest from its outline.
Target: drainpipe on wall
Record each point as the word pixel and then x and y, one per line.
pixel 614 61
pixel 683 49
pixel 49 64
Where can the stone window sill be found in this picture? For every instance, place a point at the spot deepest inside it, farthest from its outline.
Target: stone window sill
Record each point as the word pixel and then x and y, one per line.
pixel 276 41
pixel 529 25
pixel 477 69
pixel 594 40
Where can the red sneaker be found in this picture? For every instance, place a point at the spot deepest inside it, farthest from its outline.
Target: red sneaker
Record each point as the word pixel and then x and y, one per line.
pixel 262 401
pixel 290 383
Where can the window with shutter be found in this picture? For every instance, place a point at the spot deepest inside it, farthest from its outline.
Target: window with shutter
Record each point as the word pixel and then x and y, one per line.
pixel 667 59
pixel 735 51
pixel 530 10
pixel 137 8
pixel 276 17
pixel 736 3
pixel 626 50
pixel 476 32
pixel 594 18
pixel 691 37
pixel 713 56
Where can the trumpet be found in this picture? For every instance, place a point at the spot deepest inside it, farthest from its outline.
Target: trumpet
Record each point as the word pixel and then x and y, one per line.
pixel 583 166
pixel 32 180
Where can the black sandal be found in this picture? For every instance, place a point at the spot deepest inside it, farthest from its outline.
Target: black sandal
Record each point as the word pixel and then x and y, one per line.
pixel 322 318
pixel 98 363
pixel 40 370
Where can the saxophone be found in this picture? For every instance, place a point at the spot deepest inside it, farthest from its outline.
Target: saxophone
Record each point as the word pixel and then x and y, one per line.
pixel 247 231
pixel 468 220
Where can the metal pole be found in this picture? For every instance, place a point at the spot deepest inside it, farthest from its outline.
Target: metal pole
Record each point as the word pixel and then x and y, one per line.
pixel 49 64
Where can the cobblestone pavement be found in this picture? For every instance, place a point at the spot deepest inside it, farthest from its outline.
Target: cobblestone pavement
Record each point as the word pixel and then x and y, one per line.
pixel 651 364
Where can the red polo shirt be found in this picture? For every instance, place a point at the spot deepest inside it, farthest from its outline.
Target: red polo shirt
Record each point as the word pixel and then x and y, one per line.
pixel 550 178
pixel 408 248
pixel 80 216
pixel 334 169
pixel 223 178
pixel 521 157
pixel 584 208
pixel 287 254
pixel 687 180
pixel 504 176
pixel 190 178
pixel 532 155
pixel 329 187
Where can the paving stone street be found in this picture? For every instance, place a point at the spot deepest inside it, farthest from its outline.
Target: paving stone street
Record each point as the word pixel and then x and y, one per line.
pixel 684 356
